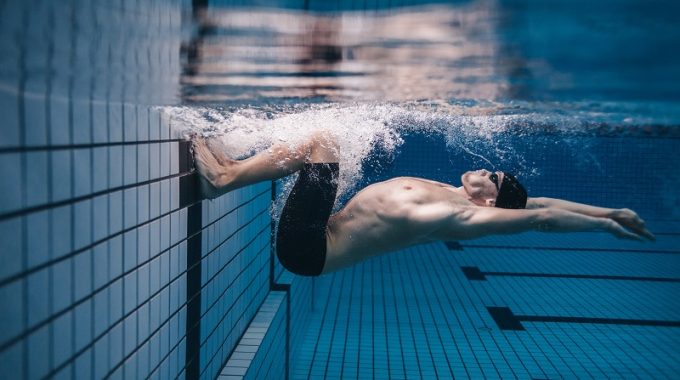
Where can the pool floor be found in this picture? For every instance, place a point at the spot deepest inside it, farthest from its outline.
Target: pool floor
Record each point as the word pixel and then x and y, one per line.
pixel 525 306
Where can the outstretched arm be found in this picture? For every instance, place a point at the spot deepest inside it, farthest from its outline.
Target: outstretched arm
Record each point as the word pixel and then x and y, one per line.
pixel 623 216
pixel 475 222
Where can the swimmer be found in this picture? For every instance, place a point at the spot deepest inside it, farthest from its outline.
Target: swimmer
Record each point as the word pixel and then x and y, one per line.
pixel 394 214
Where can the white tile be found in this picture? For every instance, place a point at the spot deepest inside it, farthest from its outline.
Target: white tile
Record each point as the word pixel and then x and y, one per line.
pixel 154 238
pixel 116 301
pixel 59 123
pixel 130 208
pixel 142 319
pixel 130 119
pixel 183 226
pixel 115 257
pixel 11 247
pixel 175 230
pixel 155 200
pixel 164 124
pixel 10 186
pixel 143 244
pixel 100 164
pixel 9 359
pixel 61 278
pixel 99 122
pixel 60 223
pixel 142 123
pixel 130 367
pixel 35 127
pixel 165 159
pixel 154 125
pixel 165 233
pixel 174 158
pixel 101 356
pixel 154 161
pixel 142 162
pixel 38 297
pixel 164 281
pixel 165 196
pixel 115 121
pixel 100 213
pixel 100 265
pixel 143 284
pixel 82 172
pixel 9 128
pixel 82 128
pixel 154 275
pixel 129 164
pixel 82 214
pixel 63 343
pixel 12 300
pixel 37 238
pixel 38 350
pixel 129 250
pixel 115 212
pixel 130 329
pixel 143 361
pixel 130 292
pixel 143 203
pixel 83 365
pixel 115 166
pixel 61 175
pixel 82 275
pixel 101 312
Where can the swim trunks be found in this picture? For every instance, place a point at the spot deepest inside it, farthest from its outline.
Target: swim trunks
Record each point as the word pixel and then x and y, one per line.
pixel 301 238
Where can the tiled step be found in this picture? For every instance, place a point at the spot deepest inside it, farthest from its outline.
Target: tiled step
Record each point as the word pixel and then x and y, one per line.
pixel 261 352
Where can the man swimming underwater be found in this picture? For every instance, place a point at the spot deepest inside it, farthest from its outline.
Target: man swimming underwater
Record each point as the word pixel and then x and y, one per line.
pixel 394 214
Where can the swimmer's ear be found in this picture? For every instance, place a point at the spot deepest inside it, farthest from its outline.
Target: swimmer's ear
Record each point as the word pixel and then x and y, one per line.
pixel 490 202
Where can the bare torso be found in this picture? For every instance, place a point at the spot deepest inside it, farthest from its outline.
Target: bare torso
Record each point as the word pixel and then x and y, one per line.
pixel 380 219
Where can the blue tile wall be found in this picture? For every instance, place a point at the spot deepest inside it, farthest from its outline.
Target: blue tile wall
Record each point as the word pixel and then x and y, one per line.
pixel 94 228
pixel 235 270
pixel 94 236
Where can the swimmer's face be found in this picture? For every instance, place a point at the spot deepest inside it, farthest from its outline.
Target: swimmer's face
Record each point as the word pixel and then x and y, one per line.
pixel 482 186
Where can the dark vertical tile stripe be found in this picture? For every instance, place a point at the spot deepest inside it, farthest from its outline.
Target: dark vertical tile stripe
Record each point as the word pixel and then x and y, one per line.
pixel 193 330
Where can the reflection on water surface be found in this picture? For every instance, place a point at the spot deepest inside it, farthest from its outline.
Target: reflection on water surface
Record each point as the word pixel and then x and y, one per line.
pixel 470 52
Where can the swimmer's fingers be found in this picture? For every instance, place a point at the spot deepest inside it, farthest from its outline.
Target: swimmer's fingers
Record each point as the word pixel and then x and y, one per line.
pixel 630 219
pixel 622 233
pixel 646 233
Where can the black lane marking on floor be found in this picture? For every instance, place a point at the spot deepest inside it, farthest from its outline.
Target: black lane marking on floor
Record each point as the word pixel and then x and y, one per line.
pixel 504 318
pixel 453 246
pixel 489 246
pixel 474 274
pixel 507 320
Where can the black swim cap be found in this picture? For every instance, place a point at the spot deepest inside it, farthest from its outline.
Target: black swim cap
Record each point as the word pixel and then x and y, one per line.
pixel 512 194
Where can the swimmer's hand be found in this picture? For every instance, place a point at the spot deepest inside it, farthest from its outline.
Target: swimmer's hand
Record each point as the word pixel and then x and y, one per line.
pixel 635 225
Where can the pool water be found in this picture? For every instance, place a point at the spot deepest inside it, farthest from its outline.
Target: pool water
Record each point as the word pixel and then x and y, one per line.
pixel 581 105
pixel 112 266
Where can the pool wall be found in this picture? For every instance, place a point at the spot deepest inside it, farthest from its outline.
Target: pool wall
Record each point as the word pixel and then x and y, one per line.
pixel 111 265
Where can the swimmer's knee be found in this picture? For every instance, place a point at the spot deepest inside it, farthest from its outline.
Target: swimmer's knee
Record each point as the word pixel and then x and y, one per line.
pixel 322 148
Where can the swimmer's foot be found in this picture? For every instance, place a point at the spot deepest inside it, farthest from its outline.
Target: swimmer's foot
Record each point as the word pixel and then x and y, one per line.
pixel 216 147
pixel 215 173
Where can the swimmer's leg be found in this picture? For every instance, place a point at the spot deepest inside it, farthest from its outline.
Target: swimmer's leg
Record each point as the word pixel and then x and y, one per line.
pixel 221 174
